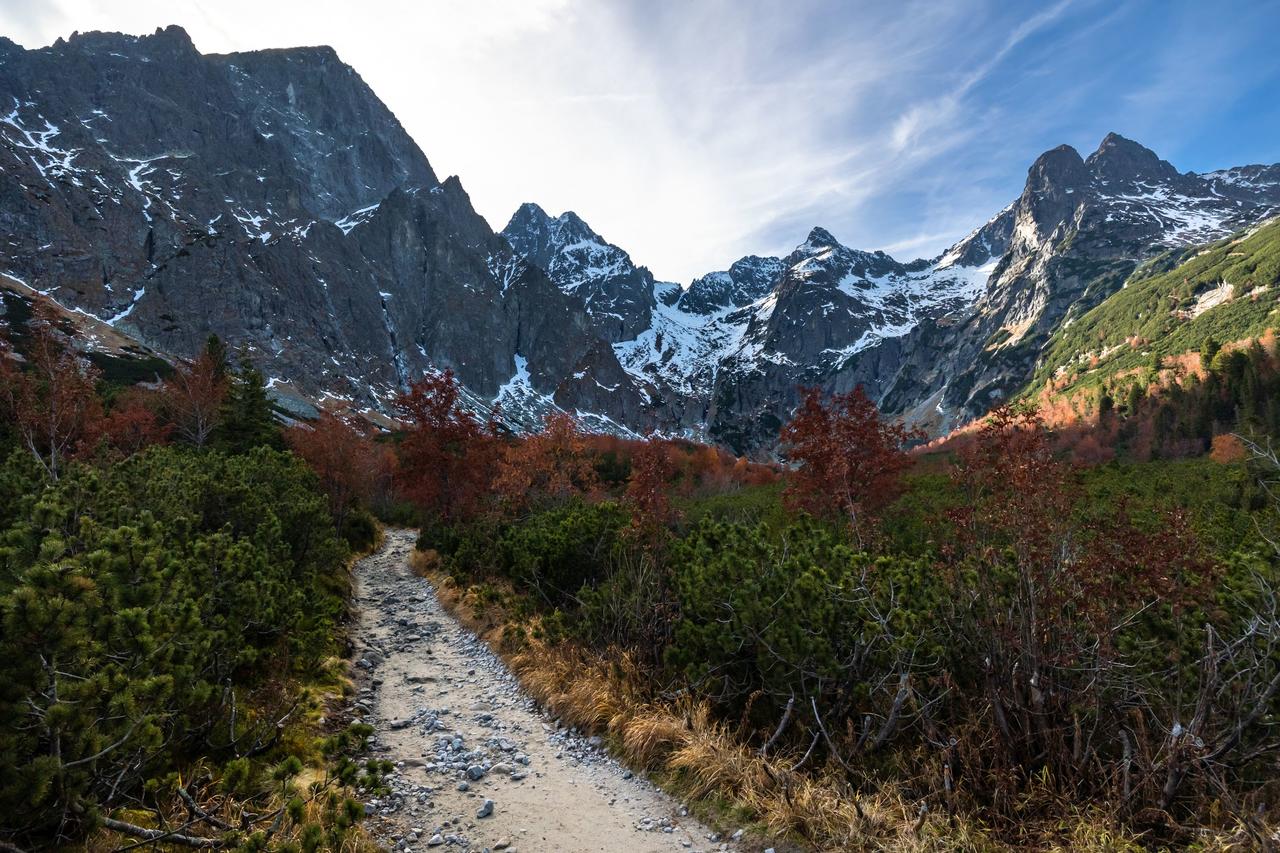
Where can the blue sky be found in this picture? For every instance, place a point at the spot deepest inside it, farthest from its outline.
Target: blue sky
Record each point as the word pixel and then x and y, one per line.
pixel 691 132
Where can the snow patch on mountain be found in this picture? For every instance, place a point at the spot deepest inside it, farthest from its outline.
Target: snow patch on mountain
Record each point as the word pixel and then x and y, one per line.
pixel 681 351
pixel 357 217
pixel 1185 220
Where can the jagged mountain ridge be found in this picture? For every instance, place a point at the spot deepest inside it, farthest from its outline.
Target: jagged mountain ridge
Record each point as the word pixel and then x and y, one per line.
pixel 791 319
pixel 937 342
pixel 1080 228
pixel 617 294
pixel 272 198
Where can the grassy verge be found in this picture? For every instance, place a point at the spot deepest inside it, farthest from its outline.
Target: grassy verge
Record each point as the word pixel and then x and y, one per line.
pixel 684 749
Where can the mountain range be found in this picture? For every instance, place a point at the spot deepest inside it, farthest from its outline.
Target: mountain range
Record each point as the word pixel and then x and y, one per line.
pixel 270 197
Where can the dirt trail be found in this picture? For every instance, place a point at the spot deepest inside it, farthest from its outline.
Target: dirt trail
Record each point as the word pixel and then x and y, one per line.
pixel 465 739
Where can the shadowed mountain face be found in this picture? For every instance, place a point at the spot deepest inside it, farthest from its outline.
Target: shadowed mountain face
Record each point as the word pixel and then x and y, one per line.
pixel 271 198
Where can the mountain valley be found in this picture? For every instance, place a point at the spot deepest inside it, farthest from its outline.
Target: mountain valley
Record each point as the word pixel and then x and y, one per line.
pixel 272 199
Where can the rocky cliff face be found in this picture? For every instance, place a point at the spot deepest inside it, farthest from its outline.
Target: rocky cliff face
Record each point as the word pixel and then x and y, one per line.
pixel 270 197
pixel 1079 229
pixel 936 342
pixel 618 295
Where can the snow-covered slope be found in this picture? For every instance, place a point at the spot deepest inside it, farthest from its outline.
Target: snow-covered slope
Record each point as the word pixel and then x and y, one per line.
pixel 617 294
pixel 723 356
pixel 761 311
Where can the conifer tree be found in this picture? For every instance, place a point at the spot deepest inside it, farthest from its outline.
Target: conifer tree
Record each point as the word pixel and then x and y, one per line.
pixel 1208 350
pixel 247 420
pixel 216 351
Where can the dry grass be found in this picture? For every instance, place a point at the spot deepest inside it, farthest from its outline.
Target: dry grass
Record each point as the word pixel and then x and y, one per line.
pixel 425 564
pixel 701 760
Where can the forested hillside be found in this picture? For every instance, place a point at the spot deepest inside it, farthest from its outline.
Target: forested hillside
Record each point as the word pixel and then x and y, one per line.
pixel 1223 292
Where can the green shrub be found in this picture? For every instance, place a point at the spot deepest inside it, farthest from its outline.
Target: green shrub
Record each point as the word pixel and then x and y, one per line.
pixel 801 616
pixel 139 605
pixel 558 552
pixel 360 530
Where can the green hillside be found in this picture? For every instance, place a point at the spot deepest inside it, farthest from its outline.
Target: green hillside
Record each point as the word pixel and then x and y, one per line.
pixel 1165 309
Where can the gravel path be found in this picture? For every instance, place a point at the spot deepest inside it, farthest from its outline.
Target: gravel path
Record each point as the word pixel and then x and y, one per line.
pixel 479 767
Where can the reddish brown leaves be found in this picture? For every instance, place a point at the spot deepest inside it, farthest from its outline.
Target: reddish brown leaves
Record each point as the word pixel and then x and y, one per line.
pixel 647 492
pixel 52 402
pixel 849 460
pixel 547 467
pixel 351 467
pixel 1074 578
pixel 447 455
pixel 1227 448
pixel 132 425
pixel 191 399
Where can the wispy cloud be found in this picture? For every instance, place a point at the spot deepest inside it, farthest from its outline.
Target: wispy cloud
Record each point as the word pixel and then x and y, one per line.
pixel 692 133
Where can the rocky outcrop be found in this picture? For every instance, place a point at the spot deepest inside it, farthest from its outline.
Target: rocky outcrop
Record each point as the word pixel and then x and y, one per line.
pixel 1080 227
pixel 618 295
pixel 746 280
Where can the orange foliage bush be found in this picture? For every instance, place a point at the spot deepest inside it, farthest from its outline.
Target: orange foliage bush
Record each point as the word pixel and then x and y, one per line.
pixel 849 460
pixel 1227 448
pixel 351 467
pixel 545 468
pixel 447 455
pixel 52 404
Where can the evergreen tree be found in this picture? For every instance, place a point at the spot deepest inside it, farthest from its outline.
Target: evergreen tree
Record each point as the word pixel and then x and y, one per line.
pixel 1106 404
pixel 1208 350
pixel 141 605
pixel 216 350
pixel 247 420
pixel 1134 400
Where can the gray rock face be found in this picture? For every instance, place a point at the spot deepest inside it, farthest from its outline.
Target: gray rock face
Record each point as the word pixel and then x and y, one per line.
pixel 835 318
pixel 617 294
pixel 941 342
pixel 747 280
pixel 270 197
pixel 1080 228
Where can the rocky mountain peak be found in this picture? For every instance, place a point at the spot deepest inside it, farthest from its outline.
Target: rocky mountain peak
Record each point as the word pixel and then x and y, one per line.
pixel 528 215
pixel 173 36
pixel 819 238
pixel 1122 160
pixel 1057 170
pixel 543 239
pixel 172 41
pixel 746 280
pixel 618 294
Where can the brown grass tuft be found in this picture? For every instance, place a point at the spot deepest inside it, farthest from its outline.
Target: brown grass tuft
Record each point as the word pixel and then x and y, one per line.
pixel 651 735
pixel 424 563
pixel 703 761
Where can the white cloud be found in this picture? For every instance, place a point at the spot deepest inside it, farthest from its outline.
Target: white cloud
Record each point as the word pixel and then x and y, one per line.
pixel 689 133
